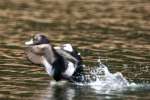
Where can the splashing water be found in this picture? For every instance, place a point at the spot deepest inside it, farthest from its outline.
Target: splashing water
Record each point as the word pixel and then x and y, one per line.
pixel 100 78
pixel 102 81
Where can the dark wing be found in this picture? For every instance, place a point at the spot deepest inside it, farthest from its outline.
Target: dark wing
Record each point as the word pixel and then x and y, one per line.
pixel 66 55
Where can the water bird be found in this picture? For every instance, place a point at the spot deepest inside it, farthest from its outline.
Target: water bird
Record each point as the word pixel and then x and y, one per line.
pixel 62 63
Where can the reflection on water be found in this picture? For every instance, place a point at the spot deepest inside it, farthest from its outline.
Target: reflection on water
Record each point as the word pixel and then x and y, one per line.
pixel 57 91
pixel 117 31
pixel 65 91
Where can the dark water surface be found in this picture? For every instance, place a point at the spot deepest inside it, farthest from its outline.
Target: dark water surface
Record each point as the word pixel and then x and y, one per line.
pixel 116 30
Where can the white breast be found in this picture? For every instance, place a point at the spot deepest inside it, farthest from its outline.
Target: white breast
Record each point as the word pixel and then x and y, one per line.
pixel 70 70
pixel 48 67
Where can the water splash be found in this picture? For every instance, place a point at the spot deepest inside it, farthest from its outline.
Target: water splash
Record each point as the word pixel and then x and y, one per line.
pixel 100 78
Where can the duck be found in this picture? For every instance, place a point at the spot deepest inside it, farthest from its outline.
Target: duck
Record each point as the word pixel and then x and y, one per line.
pixel 61 62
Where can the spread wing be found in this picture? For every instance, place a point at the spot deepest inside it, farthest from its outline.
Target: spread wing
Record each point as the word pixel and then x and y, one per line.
pixel 35 53
pixel 66 55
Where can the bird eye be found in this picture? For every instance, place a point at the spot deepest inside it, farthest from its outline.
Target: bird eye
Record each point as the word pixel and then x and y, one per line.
pixel 35 38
